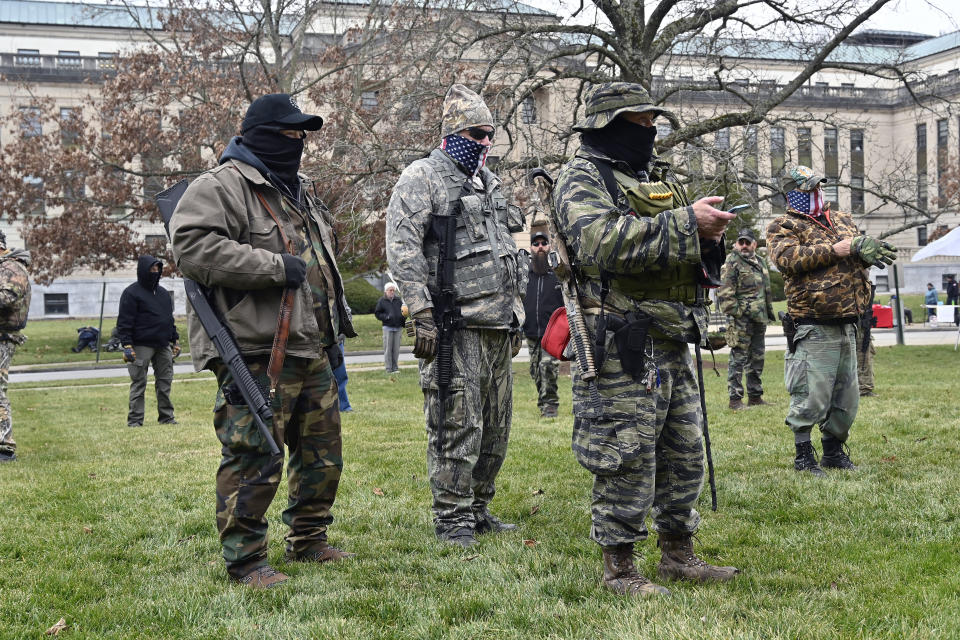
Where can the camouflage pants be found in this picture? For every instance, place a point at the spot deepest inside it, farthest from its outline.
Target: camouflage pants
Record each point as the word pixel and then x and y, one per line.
pixel 162 360
pixel 644 448
pixel 465 453
pixel 865 365
pixel 543 370
pixel 7 444
pixel 307 420
pixel 821 378
pixel 747 347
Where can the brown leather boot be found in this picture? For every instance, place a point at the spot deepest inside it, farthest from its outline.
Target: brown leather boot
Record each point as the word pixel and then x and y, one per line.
pixel 736 404
pixel 322 553
pixel 757 401
pixel 265 577
pixel 620 575
pixel 679 562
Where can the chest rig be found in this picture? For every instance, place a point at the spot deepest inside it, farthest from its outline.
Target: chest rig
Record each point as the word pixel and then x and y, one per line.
pixel 481 238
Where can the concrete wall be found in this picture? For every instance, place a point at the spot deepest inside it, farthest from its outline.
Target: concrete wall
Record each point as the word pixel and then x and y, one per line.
pixel 84 297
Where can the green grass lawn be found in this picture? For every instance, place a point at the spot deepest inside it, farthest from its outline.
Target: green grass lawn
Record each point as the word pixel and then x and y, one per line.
pixel 49 341
pixel 112 528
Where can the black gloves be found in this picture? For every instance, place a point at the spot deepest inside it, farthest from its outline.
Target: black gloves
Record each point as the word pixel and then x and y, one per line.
pixel 294 270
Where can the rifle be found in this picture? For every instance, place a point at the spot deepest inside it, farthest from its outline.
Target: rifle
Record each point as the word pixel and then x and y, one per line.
pixel 703 410
pixel 219 333
pixel 560 263
pixel 866 321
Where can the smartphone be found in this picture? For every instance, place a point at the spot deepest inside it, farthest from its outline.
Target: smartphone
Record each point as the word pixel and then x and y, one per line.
pixel 738 208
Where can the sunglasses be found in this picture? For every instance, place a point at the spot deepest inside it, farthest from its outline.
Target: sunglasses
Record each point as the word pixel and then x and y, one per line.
pixel 478 133
pixel 539 243
pixel 744 242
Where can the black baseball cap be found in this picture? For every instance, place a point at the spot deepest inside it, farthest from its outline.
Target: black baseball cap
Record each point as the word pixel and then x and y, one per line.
pixel 539 234
pixel 280 109
pixel 748 234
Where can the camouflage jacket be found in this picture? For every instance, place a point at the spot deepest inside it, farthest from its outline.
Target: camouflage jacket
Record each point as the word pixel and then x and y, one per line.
pixel 14 290
pixel 745 288
pixel 600 232
pixel 489 287
pixel 817 282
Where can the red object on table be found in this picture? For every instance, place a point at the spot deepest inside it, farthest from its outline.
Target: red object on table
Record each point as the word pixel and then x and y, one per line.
pixel 883 315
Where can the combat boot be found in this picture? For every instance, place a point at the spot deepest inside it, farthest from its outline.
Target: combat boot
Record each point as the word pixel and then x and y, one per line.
pixel 679 562
pixel 806 460
pixel 321 554
pixel 620 575
pixel 486 522
pixel 834 457
pixel 461 536
pixel 736 404
pixel 757 401
pixel 265 577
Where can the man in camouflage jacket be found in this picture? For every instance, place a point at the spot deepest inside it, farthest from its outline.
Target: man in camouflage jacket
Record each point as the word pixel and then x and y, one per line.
pixel 467 437
pixel 249 229
pixel 746 298
pixel 824 265
pixel 638 247
pixel 14 306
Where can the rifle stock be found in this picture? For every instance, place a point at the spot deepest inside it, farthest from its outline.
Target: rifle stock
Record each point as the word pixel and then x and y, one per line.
pixel 219 333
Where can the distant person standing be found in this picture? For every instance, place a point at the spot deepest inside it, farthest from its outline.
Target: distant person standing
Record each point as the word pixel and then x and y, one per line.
pixel 148 335
pixel 953 297
pixel 930 300
pixel 388 312
pixel 14 306
pixel 543 298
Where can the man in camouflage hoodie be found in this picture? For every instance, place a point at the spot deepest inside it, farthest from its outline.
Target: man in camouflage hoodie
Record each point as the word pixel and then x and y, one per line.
pixel 638 248
pixel 467 438
pixel 824 264
pixel 746 298
pixel 14 305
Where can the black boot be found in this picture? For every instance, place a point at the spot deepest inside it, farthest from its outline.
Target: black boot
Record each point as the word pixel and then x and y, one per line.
pixel 834 457
pixel 806 460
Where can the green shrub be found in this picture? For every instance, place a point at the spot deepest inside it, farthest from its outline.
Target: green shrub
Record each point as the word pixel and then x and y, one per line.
pixel 361 295
pixel 776 286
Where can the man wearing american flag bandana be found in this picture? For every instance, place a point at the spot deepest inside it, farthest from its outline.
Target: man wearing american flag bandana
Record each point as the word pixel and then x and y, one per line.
pixel 824 262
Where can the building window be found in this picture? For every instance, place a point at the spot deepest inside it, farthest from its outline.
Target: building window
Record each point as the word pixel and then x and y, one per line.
pixel 27 58
pixel 106 60
pixel 33 195
pixel 722 139
pixel 942 160
pixel 157 243
pixel 30 123
pixel 804 146
pixel 69 134
pixel 831 166
pixel 68 59
pixel 778 151
pixel 751 160
pixel 883 283
pixel 922 236
pixel 369 100
pixel 73 185
pixel 56 304
pixel 856 194
pixel 528 110
pixel 856 171
pixel 922 168
pixel 411 111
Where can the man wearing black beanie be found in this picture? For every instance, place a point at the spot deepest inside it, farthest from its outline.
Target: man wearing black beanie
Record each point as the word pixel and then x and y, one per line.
pixel 247 230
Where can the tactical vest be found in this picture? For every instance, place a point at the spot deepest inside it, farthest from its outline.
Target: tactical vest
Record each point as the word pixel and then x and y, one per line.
pixel 14 275
pixel 484 224
pixel 645 200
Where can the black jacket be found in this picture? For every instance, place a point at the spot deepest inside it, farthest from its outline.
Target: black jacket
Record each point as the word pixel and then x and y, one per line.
pixel 146 310
pixel 388 311
pixel 543 298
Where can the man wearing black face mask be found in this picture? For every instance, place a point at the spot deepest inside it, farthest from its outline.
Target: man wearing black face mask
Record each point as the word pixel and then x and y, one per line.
pixel 248 230
pixel 148 334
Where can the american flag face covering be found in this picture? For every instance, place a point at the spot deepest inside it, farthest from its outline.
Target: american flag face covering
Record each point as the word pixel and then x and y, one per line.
pixel 808 202
pixel 467 152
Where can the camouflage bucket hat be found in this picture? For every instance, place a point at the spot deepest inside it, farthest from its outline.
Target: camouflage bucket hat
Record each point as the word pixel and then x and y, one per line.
pixel 606 101
pixel 463 108
pixel 802 178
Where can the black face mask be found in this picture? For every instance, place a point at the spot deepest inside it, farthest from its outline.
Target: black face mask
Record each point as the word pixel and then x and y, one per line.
pixel 153 279
pixel 624 140
pixel 279 153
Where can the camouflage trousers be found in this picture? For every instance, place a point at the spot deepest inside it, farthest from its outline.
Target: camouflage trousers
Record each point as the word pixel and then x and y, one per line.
pixel 466 451
pixel 162 360
pixel 7 444
pixel 821 378
pixel 307 420
pixel 644 448
pixel 747 347
pixel 865 364
pixel 543 370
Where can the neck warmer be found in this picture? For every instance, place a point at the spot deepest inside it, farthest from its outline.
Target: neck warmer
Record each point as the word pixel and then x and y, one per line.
pixel 280 154
pixel 470 154
pixel 624 140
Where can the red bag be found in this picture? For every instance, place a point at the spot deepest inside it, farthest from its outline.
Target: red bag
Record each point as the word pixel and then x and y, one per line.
pixel 557 334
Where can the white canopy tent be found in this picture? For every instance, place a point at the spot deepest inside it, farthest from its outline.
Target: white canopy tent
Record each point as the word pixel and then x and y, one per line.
pixel 948 245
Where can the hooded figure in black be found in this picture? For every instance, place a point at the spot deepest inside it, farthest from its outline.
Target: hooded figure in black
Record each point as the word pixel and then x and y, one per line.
pixel 148 334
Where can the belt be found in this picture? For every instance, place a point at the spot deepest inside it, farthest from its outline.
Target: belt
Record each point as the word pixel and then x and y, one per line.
pixel 830 322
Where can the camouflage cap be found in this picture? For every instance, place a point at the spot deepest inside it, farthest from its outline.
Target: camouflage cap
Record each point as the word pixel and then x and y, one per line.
pixel 802 178
pixel 463 108
pixel 606 101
